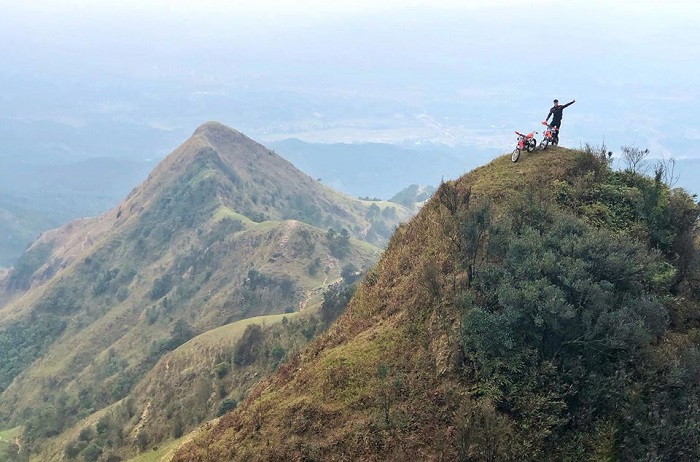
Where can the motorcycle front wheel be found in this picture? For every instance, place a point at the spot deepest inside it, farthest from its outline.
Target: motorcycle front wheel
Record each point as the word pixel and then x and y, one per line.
pixel 515 155
pixel 543 145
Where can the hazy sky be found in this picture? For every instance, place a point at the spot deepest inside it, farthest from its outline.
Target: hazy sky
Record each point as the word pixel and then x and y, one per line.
pixel 70 27
pixel 279 68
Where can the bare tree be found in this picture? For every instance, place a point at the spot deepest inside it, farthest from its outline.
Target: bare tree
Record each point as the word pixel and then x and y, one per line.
pixel 665 170
pixel 635 158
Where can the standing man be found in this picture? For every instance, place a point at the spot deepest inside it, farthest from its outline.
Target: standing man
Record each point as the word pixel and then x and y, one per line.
pixel 556 113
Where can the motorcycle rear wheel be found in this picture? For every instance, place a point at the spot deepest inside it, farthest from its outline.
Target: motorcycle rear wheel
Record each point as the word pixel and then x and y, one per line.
pixel 532 145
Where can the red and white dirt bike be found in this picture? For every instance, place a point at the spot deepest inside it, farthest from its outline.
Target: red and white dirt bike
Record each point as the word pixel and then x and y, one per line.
pixel 549 136
pixel 525 143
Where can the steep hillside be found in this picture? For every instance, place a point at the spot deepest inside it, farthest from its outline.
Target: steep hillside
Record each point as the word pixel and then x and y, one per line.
pixel 199 380
pixel 222 230
pixel 545 310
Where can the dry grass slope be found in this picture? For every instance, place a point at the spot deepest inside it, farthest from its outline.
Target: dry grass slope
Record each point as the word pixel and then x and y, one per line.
pixel 387 381
pixel 382 383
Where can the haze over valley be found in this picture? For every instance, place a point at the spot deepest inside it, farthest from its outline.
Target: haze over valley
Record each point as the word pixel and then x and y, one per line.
pixel 132 80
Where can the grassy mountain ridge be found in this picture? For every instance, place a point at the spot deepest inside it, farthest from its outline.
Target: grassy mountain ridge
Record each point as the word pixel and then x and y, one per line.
pixel 222 230
pixel 260 186
pixel 541 310
pixel 196 380
pixel 282 191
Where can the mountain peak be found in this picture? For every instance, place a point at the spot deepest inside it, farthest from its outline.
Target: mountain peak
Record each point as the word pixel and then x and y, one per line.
pixel 216 132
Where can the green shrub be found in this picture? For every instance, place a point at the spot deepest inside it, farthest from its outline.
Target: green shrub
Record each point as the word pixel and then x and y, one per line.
pixel 92 452
pixel 248 347
pixel 221 370
pixel 226 405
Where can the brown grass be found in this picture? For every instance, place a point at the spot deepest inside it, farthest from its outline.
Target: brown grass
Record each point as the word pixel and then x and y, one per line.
pixel 381 384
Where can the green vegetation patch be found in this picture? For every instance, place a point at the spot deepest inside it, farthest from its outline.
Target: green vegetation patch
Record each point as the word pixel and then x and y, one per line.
pixel 21 342
pixel 224 212
pixel 10 434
